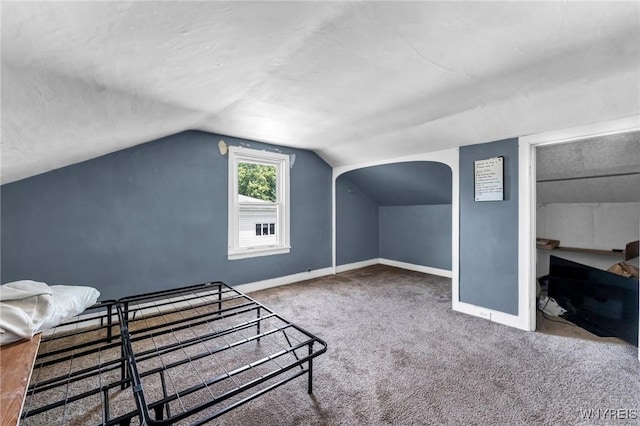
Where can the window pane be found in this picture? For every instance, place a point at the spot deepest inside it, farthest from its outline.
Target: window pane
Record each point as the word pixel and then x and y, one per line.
pixel 258 203
pixel 256 181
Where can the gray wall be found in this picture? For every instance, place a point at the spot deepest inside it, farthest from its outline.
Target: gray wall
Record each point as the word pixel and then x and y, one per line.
pixel 416 234
pixel 153 217
pixel 489 232
pixel 356 223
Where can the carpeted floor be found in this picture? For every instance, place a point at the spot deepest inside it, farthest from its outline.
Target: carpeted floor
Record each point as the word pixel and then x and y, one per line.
pixel 399 355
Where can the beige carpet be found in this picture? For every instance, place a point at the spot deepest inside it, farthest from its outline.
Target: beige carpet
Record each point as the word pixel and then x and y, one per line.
pixel 399 355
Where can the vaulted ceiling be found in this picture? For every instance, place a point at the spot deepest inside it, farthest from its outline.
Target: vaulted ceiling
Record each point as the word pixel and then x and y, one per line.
pixel 354 81
pixel 603 169
pixel 404 184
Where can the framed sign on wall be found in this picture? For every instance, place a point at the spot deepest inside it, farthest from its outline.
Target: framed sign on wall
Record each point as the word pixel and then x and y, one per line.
pixel 489 179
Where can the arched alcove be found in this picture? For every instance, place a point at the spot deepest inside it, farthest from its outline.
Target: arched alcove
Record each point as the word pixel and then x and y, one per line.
pixel 397 212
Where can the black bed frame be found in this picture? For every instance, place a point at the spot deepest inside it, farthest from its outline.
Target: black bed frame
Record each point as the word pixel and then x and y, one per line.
pixel 184 355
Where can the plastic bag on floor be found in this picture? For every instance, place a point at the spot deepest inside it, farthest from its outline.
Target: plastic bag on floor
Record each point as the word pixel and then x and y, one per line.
pixel 549 306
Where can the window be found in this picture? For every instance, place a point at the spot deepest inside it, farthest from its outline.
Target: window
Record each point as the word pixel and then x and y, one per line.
pixel 265 229
pixel 258 203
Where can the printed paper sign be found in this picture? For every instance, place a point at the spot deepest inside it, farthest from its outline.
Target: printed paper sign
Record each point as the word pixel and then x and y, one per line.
pixel 489 179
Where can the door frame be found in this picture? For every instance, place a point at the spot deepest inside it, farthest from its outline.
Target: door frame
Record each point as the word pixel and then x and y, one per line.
pixel 527 200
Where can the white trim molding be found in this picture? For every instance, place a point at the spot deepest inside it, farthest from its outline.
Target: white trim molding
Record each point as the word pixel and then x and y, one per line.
pixel 356 265
pixel 287 279
pixel 418 268
pixel 527 202
pixel 526 227
pixel 490 314
pixel 395 263
pixel 281 205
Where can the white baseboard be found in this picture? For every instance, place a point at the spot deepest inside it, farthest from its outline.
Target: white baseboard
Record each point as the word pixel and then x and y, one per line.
pixel 287 279
pixel 404 265
pixel 490 314
pixel 357 265
pixel 418 268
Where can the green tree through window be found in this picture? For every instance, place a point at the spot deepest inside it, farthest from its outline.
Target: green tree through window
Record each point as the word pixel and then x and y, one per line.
pixel 257 181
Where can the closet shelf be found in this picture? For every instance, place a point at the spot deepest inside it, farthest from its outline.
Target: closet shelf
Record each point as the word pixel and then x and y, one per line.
pixel 617 253
pixel 629 252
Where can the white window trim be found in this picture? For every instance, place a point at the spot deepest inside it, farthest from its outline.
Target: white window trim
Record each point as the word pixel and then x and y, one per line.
pixel 281 162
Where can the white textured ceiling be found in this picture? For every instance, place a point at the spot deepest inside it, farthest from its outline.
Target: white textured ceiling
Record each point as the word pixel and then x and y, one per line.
pixel 354 81
pixel 604 169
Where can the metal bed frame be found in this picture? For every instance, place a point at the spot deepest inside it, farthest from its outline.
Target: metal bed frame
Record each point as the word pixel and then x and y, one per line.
pixel 80 374
pixel 180 356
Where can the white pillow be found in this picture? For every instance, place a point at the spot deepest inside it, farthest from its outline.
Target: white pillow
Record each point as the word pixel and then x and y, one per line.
pixel 69 301
pixel 24 307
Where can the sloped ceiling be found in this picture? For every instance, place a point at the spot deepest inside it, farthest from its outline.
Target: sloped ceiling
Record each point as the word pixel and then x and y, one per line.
pixel 404 184
pixel 597 170
pixel 354 81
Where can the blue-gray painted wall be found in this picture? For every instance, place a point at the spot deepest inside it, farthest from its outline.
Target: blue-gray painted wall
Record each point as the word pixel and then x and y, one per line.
pixel 153 217
pixel 356 223
pixel 489 232
pixel 420 235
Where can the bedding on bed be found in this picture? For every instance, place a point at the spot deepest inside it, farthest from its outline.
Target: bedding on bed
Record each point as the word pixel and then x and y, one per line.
pixel 29 307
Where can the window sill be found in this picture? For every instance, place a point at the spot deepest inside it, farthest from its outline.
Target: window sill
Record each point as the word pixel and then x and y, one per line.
pixel 257 252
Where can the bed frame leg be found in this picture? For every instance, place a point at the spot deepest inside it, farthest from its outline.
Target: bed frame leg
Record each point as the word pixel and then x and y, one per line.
pixel 258 324
pixel 159 412
pixel 105 393
pixel 310 378
pixel 123 369
pixel 109 323
pixel 219 298
pixel 164 392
